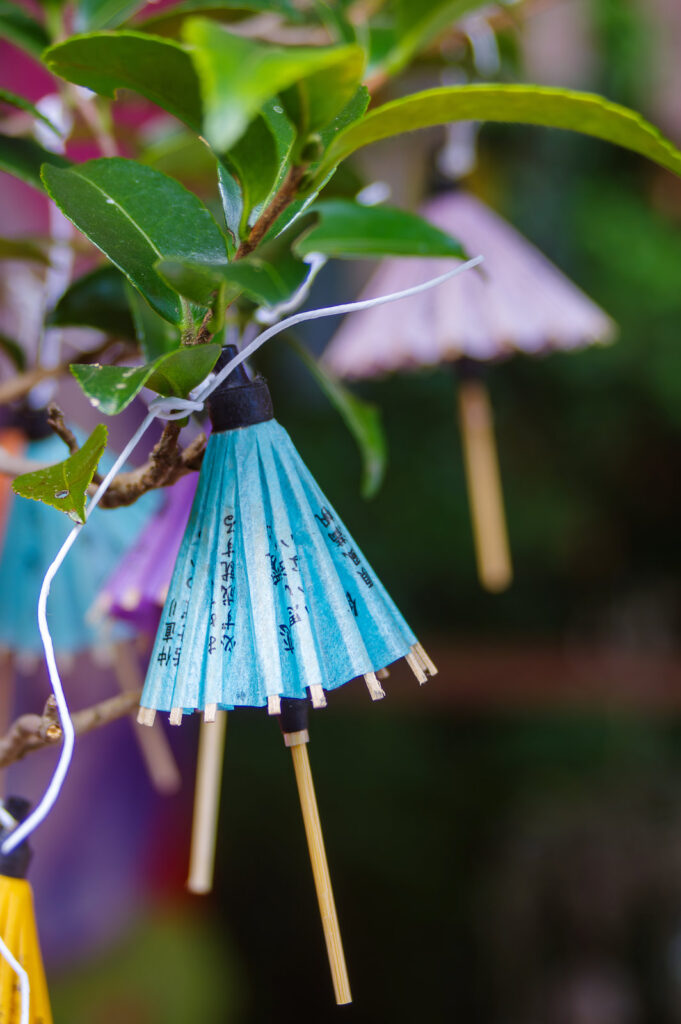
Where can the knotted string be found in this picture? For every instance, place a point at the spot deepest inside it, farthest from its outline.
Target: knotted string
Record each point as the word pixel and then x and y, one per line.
pixel 166 409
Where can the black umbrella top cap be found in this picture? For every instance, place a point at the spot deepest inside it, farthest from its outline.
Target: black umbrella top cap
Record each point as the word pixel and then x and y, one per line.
pixel 238 401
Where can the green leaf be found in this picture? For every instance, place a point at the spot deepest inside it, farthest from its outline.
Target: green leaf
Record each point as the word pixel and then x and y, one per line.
pixel 14 352
pixel 158 69
pixel 232 205
pixel 264 283
pixel 351 113
pixel 22 30
pixel 419 22
pixel 97 14
pixel 239 75
pixel 257 161
pixel 170 21
pixel 12 99
pixel 97 299
pixel 112 388
pixel 525 104
pixel 136 216
pixel 351 231
pixel 154 334
pixel 363 420
pixel 23 249
pixel 23 158
pixel 65 485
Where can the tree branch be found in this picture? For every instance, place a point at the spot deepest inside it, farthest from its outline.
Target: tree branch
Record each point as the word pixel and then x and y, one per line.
pixel 166 464
pixel 33 732
pixel 55 419
pixel 19 386
pixel 285 195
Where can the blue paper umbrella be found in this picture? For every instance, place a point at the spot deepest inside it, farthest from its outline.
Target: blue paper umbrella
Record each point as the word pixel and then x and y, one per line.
pixel 270 597
pixel 33 537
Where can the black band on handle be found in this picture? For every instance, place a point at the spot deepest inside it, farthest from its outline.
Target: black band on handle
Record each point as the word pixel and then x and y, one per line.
pixel 294 715
pixel 15 864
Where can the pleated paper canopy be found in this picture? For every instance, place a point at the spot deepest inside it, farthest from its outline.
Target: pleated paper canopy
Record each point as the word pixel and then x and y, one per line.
pixel 137 589
pixel 516 301
pixel 271 597
pixel 33 537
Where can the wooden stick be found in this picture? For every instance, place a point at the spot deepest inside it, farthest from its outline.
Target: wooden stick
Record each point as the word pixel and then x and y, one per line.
pixel 206 804
pixel 153 743
pixel 484 486
pixel 320 868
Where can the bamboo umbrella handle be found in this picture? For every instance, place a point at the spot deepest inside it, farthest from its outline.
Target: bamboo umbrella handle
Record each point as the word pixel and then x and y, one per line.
pixel 320 868
pixel 484 485
pixel 153 743
pixel 206 803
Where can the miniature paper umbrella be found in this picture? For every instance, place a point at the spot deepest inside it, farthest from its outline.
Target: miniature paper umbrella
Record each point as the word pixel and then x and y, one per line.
pixel 33 534
pixel 517 302
pixel 271 599
pixel 18 930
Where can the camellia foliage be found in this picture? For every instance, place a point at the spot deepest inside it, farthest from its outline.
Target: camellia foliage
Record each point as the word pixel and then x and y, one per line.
pixel 214 205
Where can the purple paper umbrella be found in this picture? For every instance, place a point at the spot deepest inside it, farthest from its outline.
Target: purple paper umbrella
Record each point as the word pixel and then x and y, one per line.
pixel 517 301
pixel 137 590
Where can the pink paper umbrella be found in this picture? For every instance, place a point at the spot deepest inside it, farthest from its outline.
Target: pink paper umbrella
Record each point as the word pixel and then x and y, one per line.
pixel 518 301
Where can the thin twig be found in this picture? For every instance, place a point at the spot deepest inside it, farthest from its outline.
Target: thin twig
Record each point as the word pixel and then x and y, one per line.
pixel 166 464
pixel 33 732
pixel 286 194
pixel 19 386
pixel 55 419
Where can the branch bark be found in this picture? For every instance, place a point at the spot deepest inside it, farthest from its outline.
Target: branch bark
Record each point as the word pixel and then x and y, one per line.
pixel 33 732
pixel 19 386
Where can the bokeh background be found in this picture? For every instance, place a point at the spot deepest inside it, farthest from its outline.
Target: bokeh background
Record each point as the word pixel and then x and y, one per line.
pixel 505 843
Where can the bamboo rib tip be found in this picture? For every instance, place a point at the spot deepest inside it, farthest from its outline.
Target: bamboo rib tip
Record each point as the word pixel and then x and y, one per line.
pixel 146 716
pixel 175 717
pixel 373 686
pixel 415 665
pixel 131 598
pixel 210 712
pixel 383 673
pixel 274 705
pixel 318 697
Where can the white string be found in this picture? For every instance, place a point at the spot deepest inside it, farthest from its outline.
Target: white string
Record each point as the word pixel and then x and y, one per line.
pixel 24 983
pixel 167 409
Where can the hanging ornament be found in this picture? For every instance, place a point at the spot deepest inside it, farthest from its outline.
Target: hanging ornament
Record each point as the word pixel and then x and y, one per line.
pixel 271 600
pixel 516 302
pixel 23 993
pixel 33 533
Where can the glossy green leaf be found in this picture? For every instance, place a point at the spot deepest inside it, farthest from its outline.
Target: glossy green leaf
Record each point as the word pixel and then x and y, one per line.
pixel 351 231
pixel 136 216
pixel 262 282
pixel 170 21
pixel 525 104
pixel 232 205
pixel 419 21
pixel 23 249
pixel 21 29
pixel 12 99
pixel 256 161
pixel 238 76
pixel 103 14
pixel 350 114
pixel 363 420
pixel 23 159
pixel 64 485
pixel 155 335
pixel 13 351
pixel 111 388
pixel 97 299
pixel 158 69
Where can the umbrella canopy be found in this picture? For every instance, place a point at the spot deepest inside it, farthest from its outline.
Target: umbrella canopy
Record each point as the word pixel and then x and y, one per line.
pixel 516 301
pixel 33 536
pixel 271 597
